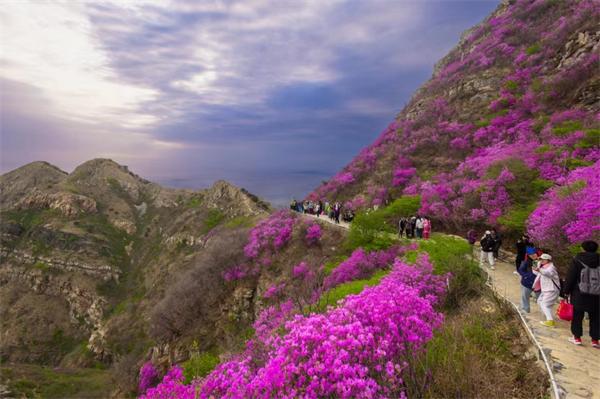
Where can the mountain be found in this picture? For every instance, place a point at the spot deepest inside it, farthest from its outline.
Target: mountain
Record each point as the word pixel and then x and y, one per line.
pixel 506 132
pixel 86 256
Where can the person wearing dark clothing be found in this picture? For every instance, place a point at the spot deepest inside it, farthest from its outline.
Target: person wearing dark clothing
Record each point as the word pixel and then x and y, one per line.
pixel 522 244
pixel 582 301
pixel 527 278
pixel 497 242
pixel 487 248
pixel 412 226
pixel 402 227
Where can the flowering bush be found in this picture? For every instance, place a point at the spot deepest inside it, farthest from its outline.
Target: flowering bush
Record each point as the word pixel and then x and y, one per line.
pixel 569 213
pixel 270 234
pixel 313 234
pixel 148 377
pixel 172 387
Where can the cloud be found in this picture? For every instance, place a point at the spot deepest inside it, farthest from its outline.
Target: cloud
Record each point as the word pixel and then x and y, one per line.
pixel 233 88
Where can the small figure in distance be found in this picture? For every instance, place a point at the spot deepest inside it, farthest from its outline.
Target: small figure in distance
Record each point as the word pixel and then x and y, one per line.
pixel 487 249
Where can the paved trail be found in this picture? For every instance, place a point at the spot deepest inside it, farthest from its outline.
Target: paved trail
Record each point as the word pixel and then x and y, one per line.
pixel 576 369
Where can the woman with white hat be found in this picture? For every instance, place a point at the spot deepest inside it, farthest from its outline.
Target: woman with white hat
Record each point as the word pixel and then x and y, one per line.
pixel 548 282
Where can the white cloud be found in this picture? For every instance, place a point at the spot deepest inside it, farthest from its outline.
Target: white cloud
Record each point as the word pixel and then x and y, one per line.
pixel 52 46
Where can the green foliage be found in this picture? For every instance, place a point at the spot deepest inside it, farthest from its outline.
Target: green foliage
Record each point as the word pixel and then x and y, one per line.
pixel 375 230
pixel 511 86
pixel 516 217
pixel 534 48
pixel 574 163
pixel 526 187
pixel 199 366
pixel 482 123
pixel 43 382
pixel 571 189
pixel 331 297
pixel 213 219
pixel 62 343
pixel 240 221
pixel 567 127
pixel 194 202
pixel 590 140
pixel 543 149
pixel 333 263
pixel 406 205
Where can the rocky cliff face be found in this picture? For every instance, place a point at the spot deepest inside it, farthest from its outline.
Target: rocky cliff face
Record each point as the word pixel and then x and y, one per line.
pixel 505 133
pixel 84 256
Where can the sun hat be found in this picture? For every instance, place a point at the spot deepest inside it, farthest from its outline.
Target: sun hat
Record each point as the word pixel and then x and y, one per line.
pixel 488 232
pixel 546 257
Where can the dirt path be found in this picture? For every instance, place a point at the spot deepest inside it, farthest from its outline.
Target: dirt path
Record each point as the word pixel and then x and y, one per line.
pixel 576 369
pixel 324 218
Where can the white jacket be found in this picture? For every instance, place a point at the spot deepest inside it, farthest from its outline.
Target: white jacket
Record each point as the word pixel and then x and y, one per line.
pixel 548 278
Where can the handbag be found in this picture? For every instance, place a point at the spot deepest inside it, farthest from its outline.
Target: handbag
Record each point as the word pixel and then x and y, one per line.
pixel 564 311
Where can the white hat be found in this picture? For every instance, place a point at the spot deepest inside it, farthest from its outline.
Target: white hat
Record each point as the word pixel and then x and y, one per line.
pixel 488 232
pixel 546 257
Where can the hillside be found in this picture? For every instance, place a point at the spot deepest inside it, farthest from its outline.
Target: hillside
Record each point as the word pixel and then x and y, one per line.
pixel 505 133
pixel 86 257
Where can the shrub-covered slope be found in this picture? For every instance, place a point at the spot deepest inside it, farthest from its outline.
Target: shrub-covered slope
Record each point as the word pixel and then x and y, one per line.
pixel 506 132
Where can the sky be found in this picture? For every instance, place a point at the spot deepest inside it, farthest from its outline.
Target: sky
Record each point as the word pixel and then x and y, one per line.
pixel 274 96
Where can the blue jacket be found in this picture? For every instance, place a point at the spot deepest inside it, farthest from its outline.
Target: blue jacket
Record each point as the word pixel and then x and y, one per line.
pixel 527 276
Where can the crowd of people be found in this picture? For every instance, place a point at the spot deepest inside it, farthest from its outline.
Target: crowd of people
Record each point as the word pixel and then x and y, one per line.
pixel 334 211
pixel 415 227
pixel 540 278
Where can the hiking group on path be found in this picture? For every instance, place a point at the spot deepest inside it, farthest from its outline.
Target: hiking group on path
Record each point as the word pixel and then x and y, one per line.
pixel 539 276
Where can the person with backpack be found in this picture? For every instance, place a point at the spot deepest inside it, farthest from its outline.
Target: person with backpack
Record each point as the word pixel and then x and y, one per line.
pixel 528 278
pixel 548 282
pixel 583 287
pixel 487 249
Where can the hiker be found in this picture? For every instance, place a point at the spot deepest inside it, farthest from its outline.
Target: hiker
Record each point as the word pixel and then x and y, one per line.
pixel 294 205
pixel 419 227
pixel 487 248
pixel 528 277
pixel 336 212
pixel 318 208
pixel 497 242
pixel 548 282
pixel 402 226
pixel 522 244
pixel 583 286
pixel 410 227
pixel 426 228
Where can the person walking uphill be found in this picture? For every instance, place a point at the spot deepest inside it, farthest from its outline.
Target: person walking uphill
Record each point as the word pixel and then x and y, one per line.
pixel 528 277
pixel 583 286
pixel 426 228
pixel 522 244
pixel 548 282
pixel 487 249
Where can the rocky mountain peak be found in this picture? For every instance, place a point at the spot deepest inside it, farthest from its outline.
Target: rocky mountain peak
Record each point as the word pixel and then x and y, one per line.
pixel 17 183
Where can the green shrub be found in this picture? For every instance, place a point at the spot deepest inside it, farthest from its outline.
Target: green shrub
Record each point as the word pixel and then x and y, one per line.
pixel 199 366
pixel 331 297
pixel 534 48
pixel 240 221
pixel 567 127
pixel 511 86
pixel 516 217
pixel 590 140
pixel 406 205
pixel 214 218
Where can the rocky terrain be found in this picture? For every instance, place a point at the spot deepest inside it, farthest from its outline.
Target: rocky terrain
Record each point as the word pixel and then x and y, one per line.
pixel 85 257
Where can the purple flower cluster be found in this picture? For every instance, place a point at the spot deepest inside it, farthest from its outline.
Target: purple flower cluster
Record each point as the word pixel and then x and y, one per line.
pixel 172 386
pixel 362 264
pixel 270 234
pixel 358 350
pixel 148 377
pixel 569 213
pixel 313 234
